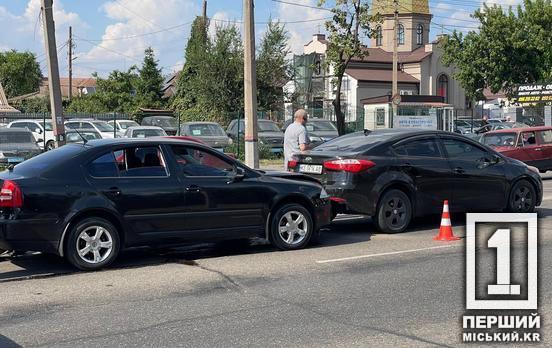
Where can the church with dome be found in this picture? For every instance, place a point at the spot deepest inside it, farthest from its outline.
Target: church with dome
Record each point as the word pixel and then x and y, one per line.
pixel 426 85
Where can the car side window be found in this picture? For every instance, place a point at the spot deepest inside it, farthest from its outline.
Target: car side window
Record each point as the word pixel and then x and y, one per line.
pixel 86 125
pixel 458 149
pixel 418 148
pixel 197 162
pixel 528 139
pixel 141 161
pixel 545 137
pixel 71 125
pixel 104 166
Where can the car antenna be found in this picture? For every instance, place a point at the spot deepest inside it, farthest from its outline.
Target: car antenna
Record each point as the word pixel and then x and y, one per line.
pixel 84 140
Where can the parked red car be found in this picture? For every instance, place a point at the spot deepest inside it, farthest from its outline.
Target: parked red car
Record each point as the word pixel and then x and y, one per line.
pixel 531 145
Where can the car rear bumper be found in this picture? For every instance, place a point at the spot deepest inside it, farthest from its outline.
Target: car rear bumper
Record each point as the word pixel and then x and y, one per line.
pixel 351 201
pixel 30 235
pixel 322 213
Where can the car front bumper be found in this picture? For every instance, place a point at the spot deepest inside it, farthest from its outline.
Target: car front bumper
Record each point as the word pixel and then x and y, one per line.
pixel 322 213
pixel 30 235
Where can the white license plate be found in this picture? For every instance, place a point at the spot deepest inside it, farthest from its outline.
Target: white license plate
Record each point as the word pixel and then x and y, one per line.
pixel 310 168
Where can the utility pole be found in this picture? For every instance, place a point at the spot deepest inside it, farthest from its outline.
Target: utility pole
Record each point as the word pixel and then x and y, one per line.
pixel 250 87
pixel 395 87
pixel 204 11
pixel 53 71
pixel 70 50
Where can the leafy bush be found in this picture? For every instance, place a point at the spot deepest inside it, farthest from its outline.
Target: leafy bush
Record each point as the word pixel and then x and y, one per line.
pixel 239 150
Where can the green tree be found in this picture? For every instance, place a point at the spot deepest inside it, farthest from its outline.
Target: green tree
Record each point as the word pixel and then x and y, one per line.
pixel 117 92
pixel 351 18
pixel 272 66
pixel 512 46
pixel 34 104
pixel 150 82
pixel 19 73
pixel 87 104
pixel 189 81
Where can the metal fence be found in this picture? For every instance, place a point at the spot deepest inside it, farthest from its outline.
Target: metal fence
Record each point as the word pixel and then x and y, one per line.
pixel 8 117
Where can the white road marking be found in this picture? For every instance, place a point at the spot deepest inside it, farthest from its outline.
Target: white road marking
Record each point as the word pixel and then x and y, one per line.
pixel 389 253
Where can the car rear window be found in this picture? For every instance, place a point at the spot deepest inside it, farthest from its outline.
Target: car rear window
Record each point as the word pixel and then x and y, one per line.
pixel 353 142
pixel 48 159
pixel 7 137
pixel 206 130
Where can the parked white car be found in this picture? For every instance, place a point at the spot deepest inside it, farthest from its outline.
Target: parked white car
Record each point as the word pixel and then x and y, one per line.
pixel 145 132
pixel 105 129
pixel 122 125
pixel 42 132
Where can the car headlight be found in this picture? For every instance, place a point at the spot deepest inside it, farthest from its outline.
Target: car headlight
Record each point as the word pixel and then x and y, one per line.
pixel 533 169
pixel 324 194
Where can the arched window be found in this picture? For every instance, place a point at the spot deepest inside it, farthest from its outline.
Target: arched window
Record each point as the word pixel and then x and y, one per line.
pixel 420 34
pixel 443 86
pixel 400 34
pixel 379 36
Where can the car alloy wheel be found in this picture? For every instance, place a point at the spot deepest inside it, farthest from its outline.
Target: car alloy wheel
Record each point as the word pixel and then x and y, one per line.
pixel 394 212
pixel 293 227
pixel 522 198
pixel 50 145
pixel 94 244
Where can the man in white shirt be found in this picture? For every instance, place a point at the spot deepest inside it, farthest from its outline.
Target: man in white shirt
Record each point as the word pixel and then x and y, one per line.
pixel 296 138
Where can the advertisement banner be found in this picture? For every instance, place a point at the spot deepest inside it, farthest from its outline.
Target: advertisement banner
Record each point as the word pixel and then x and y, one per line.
pixel 535 93
pixel 424 122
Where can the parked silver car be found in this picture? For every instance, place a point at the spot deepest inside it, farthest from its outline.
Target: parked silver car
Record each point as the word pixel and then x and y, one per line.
pixel 144 132
pixel 210 133
pixel 17 145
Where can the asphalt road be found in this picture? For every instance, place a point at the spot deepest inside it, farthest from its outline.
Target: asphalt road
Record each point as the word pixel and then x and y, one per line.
pixel 354 288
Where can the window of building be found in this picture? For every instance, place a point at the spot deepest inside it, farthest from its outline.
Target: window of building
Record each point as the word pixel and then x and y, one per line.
pixel 400 35
pixel 380 117
pixel 420 34
pixel 379 36
pixel 443 86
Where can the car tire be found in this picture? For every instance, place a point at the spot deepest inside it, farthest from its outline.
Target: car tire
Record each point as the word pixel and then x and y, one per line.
pixel 291 227
pixel 50 145
pixel 523 198
pixel 92 244
pixel 394 212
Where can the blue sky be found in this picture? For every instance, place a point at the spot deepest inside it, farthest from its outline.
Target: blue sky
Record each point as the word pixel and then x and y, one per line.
pixel 112 34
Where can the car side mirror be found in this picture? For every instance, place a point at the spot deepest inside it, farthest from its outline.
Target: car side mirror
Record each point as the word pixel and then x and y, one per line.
pixel 39 131
pixel 238 176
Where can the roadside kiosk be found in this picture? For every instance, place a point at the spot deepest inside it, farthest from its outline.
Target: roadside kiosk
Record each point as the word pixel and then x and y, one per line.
pixel 413 111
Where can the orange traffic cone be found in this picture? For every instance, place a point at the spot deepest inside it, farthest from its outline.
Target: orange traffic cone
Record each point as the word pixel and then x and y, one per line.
pixel 445 231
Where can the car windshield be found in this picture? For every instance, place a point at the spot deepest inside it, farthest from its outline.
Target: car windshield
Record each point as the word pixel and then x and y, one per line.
pixel 146 133
pixel 499 139
pixel 126 124
pixel 164 122
pixel 103 126
pixel 263 126
pixel 48 126
pixel 320 126
pixel 206 130
pixel 7 137
pixel 353 142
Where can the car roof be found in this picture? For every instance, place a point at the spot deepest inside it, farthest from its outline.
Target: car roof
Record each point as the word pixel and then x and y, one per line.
pixel 31 120
pixel 139 141
pixel 144 127
pixel 200 122
pixel 522 129
pixel 14 130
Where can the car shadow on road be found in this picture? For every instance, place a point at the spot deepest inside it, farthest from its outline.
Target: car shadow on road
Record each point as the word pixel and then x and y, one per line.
pixel 7 343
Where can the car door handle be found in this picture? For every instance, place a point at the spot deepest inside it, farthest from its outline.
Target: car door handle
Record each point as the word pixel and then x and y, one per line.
pixel 459 170
pixel 113 191
pixel 538 149
pixel 193 188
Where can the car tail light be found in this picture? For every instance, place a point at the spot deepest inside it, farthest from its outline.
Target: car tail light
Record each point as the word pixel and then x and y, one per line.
pixel 10 195
pixel 292 164
pixel 338 200
pixel 349 165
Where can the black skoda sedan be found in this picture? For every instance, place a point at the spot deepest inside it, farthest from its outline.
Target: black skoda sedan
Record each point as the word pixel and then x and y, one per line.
pixel 396 174
pixel 86 202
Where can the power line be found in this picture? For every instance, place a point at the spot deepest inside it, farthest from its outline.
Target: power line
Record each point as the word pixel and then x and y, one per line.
pixel 303 5
pixel 141 35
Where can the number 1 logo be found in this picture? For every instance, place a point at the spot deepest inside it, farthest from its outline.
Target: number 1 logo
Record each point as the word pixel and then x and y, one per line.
pixel 501 240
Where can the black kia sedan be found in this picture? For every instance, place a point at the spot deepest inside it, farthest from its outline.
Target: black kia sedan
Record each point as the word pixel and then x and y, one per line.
pixel 394 175
pixel 86 202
